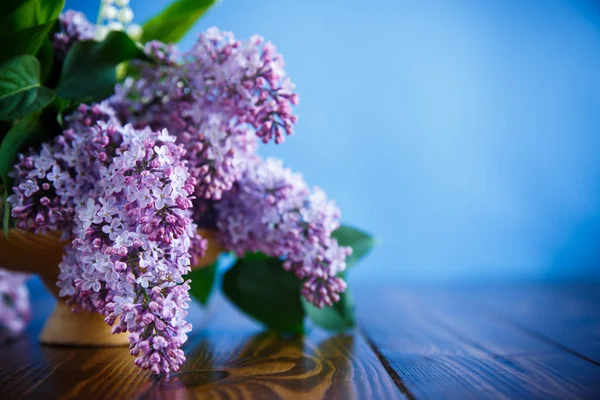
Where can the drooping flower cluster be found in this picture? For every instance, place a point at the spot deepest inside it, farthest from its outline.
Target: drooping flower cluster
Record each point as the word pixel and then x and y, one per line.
pixel 273 211
pixel 222 96
pixel 14 303
pixel 74 27
pixel 128 194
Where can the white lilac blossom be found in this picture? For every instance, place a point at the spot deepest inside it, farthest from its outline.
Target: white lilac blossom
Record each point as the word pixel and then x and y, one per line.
pixel 74 27
pixel 222 96
pixel 116 15
pixel 128 196
pixel 272 210
pixel 14 303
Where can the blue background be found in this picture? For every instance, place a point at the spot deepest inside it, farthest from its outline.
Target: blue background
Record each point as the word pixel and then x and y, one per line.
pixel 463 134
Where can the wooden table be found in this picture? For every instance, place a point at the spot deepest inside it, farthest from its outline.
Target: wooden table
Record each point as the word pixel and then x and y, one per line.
pixel 415 342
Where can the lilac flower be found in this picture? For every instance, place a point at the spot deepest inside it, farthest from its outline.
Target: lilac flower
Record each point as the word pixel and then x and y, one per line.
pixel 163 197
pixel 14 303
pixel 162 53
pixel 273 211
pixel 129 221
pixel 38 203
pixel 47 192
pixel 120 180
pixel 224 95
pixel 74 27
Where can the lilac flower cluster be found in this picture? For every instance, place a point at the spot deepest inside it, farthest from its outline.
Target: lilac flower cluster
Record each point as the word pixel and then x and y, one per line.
pixel 120 180
pixel 273 211
pixel 14 303
pixel 222 96
pixel 128 196
pixel 45 193
pixel 74 27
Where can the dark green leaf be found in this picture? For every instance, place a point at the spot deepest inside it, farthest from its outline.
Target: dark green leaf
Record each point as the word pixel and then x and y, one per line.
pixel 45 56
pixel 261 288
pixel 24 41
pixel 20 90
pixel 336 318
pixel 203 280
pixel 8 6
pixel 59 105
pixel 172 23
pixel 89 70
pixel 21 135
pixel 24 25
pixel 360 242
pixel 19 14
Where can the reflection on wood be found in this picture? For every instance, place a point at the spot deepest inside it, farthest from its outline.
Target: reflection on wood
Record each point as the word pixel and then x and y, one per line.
pixel 229 358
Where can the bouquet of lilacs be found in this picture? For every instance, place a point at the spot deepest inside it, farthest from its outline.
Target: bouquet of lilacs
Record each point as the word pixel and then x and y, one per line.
pixel 113 137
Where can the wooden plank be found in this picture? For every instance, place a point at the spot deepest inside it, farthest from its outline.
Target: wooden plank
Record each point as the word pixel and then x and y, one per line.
pixel 230 358
pixel 31 371
pixel 568 316
pixel 441 345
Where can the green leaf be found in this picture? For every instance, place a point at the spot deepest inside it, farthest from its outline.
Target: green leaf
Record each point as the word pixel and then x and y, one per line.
pixel 89 70
pixel 172 23
pixel 203 280
pixel 24 41
pixel 20 90
pixel 360 242
pixel 19 14
pixel 24 25
pixel 261 288
pixel 8 6
pixel 45 56
pixel 21 135
pixel 59 105
pixel 336 318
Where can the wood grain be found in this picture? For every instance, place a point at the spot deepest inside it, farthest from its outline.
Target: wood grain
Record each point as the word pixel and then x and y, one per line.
pixel 228 355
pixel 421 342
pixel 442 343
pixel 567 316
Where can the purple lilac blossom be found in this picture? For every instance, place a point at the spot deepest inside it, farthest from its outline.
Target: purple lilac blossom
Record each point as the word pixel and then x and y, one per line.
pixel 272 210
pixel 128 193
pixel 223 95
pixel 45 193
pixel 14 304
pixel 74 27
pixel 123 193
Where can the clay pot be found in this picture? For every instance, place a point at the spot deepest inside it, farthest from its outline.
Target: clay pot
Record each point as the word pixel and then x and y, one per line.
pixel 41 254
